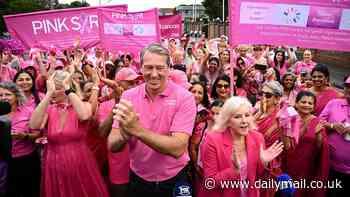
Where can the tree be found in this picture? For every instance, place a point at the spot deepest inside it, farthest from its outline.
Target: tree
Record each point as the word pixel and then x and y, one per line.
pixel 213 8
pixel 78 4
pixel 15 7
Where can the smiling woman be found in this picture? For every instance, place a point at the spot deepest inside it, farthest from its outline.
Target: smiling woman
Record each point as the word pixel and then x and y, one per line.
pixel 237 152
pixel 24 166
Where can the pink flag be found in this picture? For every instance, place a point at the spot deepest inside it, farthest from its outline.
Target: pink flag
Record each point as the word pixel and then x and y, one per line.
pixel 59 28
pixel 321 24
pixel 128 31
pixel 171 26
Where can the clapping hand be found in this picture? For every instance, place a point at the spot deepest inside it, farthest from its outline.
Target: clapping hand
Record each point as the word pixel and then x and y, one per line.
pixel 271 153
pixel 127 118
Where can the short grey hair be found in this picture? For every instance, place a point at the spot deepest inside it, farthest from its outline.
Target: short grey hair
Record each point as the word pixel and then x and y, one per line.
pixel 60 75
pixel 275 86
pixel 158 49
pixel 231 105
pixel 11 86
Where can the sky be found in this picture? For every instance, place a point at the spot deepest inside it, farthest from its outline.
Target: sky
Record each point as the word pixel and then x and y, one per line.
pixel 139 5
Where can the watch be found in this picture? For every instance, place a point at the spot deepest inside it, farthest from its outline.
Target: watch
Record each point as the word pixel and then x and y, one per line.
pixel 70 90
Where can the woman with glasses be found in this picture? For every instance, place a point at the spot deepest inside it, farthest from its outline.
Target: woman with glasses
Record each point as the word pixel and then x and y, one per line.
pixel 309 158
pixel 24 166
pixel 276 122
pixel 336 116
pixel 237 152
pixel 221 88
pixel 324 93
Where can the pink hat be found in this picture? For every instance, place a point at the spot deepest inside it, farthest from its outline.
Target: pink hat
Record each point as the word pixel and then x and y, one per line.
pixel 347 80
pixel 126 74
pixel 179 77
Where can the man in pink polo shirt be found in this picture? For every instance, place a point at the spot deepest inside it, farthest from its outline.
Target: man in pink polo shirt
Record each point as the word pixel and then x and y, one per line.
pixel 156 120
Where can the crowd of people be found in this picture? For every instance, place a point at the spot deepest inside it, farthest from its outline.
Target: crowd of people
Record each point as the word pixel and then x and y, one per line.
pixel 92 123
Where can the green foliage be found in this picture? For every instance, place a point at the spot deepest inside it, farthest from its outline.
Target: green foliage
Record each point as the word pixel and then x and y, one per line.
pixel 213 8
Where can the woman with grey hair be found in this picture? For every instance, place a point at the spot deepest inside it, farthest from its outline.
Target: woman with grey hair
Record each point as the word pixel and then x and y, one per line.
pixel 236 151
pixel 24 166
pixel 276 122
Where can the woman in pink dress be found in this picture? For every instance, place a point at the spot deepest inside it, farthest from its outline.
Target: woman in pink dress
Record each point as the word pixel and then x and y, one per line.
pixel 69 167
pixel 324 93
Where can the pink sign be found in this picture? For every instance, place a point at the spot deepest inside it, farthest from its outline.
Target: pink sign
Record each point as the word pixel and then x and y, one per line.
pixel 59 28
pixel 321 24
pixel 170 26
pixel 128 31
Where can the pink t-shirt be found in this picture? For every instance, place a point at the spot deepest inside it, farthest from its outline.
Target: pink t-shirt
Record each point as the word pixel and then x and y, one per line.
pixel 6 73
pixel 20 124
pixel 338 111
pixel 174 110
pixel 119 162
pixel 300 65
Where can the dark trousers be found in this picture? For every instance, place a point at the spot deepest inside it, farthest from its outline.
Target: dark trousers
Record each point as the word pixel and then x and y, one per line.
pixel 24 176
pixel 118 190
pixel 344 178
pixel 140 187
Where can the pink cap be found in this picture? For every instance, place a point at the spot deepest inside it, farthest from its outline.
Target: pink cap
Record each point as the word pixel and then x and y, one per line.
pixel 347 80
pixel 126 74
pixel 179 77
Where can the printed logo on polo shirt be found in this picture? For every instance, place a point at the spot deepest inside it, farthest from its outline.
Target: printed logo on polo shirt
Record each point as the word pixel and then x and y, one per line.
pixel 171 102
pixel 182 189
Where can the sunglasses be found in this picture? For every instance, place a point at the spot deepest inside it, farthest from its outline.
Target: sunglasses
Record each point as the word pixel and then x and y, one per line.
pixel 267 94
pixel 222 86
pixel 257 49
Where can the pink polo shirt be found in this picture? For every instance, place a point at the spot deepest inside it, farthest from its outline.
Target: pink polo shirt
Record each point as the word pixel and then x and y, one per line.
pixel 300 65
pixel 7 73
pixel 338 111
pixel 174 110
pixel 119 162
pixel 20 124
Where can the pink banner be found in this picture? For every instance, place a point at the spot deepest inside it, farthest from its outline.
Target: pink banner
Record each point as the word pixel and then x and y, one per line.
pixel 321 24
pixel 59 28
pixel 170 26
pixel 128 31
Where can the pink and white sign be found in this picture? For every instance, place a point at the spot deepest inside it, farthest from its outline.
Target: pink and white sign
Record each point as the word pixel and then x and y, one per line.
pixel 322 24
pixel 128 31
pixel 59 28
pixel 171 26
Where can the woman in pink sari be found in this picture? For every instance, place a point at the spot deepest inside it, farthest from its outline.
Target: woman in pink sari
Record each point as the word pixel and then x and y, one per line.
pixel 324 93
pixel 69 167
pixel 275 122
pixel 309 160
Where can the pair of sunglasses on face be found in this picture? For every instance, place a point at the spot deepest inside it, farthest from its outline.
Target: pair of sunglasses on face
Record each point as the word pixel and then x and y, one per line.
pixel 267 94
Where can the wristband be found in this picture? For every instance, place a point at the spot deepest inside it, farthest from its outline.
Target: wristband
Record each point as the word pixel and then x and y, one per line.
pixel 67 92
